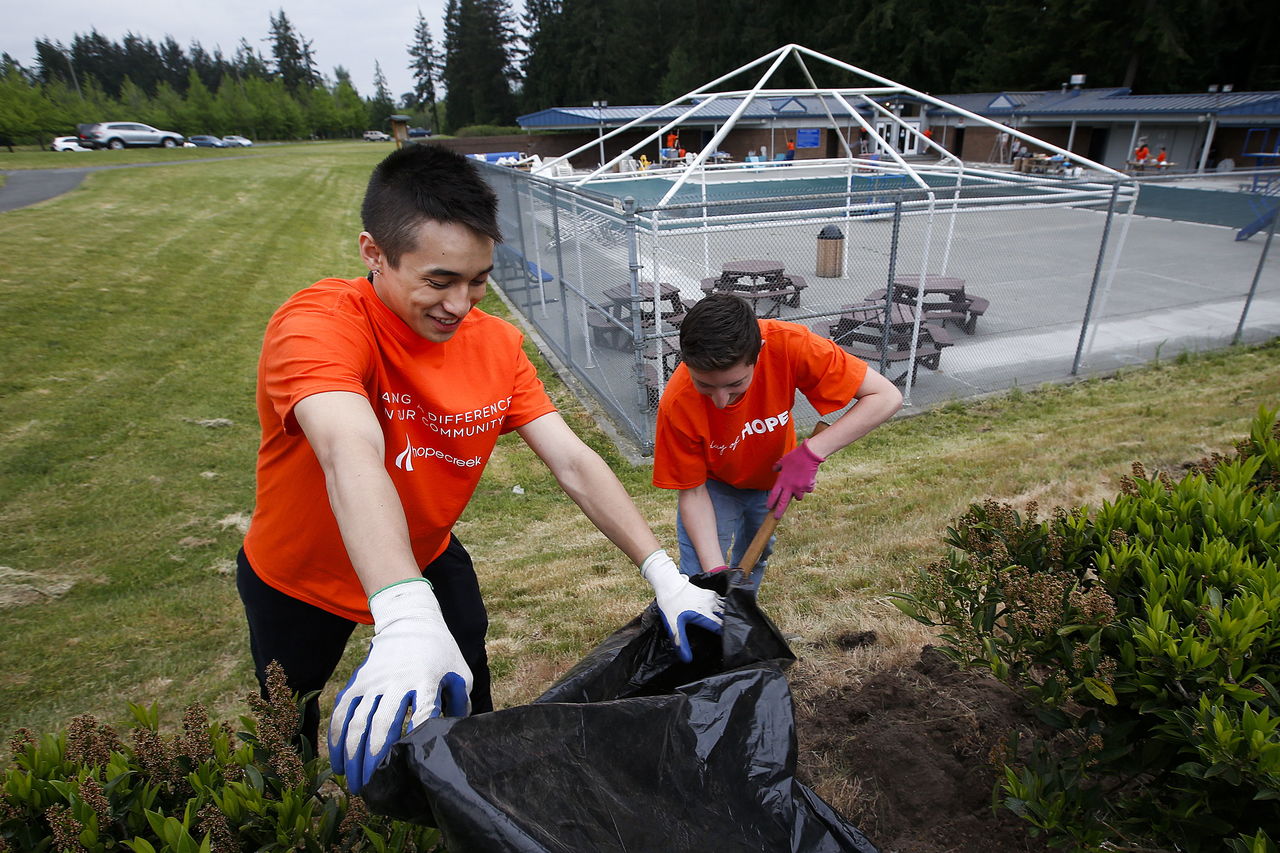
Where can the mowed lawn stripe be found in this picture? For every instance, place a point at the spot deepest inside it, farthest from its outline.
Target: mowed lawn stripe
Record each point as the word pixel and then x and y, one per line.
pixel 146 322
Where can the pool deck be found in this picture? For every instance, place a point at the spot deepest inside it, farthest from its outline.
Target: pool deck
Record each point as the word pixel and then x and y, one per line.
pixel 1177 287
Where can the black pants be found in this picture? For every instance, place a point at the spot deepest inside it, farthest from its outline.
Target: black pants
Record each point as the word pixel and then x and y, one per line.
pixel 308 642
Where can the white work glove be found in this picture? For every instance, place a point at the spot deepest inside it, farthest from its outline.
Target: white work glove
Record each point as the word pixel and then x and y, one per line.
pixel 412 660
pixel 680 602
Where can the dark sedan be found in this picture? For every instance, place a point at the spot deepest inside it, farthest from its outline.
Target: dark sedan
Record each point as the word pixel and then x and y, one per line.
pixel 202 141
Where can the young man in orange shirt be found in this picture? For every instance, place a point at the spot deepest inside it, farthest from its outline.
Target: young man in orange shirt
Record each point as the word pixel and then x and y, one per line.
pixel 725 436
pixel 381 399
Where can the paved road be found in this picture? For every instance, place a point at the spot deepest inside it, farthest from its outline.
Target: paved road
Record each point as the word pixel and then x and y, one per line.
pixel 28 186
pixel 24 187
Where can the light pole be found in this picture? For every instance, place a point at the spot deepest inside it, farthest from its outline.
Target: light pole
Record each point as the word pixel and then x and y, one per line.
pixel 600 105
pixel 67 55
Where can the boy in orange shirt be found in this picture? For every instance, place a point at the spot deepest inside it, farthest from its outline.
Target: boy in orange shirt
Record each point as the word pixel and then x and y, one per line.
pixel 725 436
pixel 381 399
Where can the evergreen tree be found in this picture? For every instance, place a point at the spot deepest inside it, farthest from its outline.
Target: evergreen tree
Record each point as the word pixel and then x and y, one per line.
pixel 381 105
pixel 140 60
pixel 425 65
pixel 249 63
pixel 353 115
pixel 95 56
pixel 198 114
pixel 294 63
pixel 234 107
pixel 173 60
pixel 53 62
pixel 478 72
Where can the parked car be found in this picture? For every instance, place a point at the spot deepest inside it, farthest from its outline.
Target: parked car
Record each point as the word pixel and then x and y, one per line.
pixel 201 140
pixel 68 143
pixel 418 132
pixel 376 136
pixel 126 134
pixel 234 141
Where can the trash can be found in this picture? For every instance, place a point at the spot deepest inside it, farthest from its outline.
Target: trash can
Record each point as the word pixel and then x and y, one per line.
pixel 830 252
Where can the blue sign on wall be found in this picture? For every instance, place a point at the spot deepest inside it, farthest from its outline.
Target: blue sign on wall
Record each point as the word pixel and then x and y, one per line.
pixel 807 137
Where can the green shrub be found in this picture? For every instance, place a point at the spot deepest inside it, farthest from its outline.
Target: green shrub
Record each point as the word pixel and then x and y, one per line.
pixel 1147 636
pixel 208 789
pixel 488 130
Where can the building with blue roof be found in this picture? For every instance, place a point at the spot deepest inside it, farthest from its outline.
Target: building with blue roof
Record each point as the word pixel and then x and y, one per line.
pixel 1200 131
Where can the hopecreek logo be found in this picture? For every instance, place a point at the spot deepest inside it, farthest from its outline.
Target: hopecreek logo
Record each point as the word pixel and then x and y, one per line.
pixel 405 459
pixel 759 426
pixel 453 425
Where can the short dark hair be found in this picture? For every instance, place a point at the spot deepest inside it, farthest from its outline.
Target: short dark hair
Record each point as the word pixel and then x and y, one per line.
pixel 425 182
pixel 719 332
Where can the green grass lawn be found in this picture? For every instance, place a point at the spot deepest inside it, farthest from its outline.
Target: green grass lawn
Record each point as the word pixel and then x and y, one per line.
pixel 32 157
pixel 134 308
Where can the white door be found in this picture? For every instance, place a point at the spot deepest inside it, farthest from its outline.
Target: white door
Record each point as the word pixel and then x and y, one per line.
pixel 902 140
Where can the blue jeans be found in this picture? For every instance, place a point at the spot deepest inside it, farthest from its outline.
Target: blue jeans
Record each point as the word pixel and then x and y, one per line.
pixel 739 514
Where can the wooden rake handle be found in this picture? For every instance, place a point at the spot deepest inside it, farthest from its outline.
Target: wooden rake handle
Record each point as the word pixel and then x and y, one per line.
pixel 756 548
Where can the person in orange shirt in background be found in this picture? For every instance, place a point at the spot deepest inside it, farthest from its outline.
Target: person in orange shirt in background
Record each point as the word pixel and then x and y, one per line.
pixel 1141 153
pixel 725 436
pixel 381 399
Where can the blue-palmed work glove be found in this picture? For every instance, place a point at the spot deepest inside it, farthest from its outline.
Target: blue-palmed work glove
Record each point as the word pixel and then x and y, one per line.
pixel 681 603
pixel 413 662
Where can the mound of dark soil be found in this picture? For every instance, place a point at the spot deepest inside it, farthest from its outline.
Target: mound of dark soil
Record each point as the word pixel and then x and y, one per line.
pixel 917 744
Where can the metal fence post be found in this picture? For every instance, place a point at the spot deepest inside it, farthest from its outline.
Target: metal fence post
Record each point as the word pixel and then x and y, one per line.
pixel 637 334
pixel 564 291
pixel 522 262
pixel 1097 274
pixel 888 285
pixel 1257 273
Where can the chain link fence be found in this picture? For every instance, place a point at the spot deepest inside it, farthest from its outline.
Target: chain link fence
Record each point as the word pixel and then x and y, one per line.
pixel 954 289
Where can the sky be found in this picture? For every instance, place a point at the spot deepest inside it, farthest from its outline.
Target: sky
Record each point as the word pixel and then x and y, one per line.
pixel 349 34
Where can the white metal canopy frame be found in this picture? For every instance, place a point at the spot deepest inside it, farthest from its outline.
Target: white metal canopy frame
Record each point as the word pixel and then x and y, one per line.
pixel 838 102
pixel 870 109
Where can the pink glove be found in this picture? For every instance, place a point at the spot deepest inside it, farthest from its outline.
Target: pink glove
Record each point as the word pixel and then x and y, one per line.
pixel 798 475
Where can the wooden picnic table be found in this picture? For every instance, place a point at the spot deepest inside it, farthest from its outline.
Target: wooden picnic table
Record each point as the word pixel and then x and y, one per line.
pixel 763 283
pixel 762 274
pixel 861 330
pixel 611 327
pixel 945 299
pixel 622 303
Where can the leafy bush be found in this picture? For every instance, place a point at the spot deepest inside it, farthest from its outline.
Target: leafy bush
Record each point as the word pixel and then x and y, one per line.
pixel 1147 635
pixel 208 789
pixel 489 130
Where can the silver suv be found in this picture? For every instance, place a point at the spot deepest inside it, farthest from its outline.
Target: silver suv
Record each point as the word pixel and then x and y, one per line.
pixel 126 134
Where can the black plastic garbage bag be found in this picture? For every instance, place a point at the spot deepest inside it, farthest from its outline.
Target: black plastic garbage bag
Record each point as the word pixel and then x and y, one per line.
pixel 631 750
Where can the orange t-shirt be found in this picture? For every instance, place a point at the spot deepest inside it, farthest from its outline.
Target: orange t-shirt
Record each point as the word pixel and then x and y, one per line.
pixel 442 407
pixel 740 443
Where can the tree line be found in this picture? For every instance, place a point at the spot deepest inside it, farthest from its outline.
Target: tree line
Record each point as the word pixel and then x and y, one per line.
pixel 584 50
pixel 277 95
pixel 491 65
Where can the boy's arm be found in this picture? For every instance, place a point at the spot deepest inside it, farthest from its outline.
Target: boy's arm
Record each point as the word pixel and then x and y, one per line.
pixel 878 400
pixel 699 517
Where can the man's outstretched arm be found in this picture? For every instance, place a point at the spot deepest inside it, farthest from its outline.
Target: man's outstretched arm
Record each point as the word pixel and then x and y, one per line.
pixel 413 660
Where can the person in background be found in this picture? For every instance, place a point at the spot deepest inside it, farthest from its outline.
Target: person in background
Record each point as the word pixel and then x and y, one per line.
pixel 381 399
pixel 725 435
